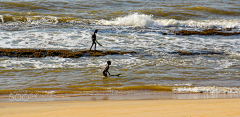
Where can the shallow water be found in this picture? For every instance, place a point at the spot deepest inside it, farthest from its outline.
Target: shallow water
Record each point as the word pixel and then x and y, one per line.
pixel 133 25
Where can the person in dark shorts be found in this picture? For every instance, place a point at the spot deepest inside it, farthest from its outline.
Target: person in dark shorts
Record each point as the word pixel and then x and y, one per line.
pixel 94 39
pixel 105 71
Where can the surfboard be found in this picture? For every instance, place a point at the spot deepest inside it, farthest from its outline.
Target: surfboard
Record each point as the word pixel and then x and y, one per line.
pixel 116 75
pixel 98 43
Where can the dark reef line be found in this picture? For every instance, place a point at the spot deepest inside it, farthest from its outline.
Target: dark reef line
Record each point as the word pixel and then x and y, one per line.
pixel 197 53
pixel 41 53
pixel 223 32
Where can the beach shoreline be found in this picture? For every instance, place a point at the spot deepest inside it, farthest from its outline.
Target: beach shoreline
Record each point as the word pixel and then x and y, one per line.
pixel 163 108
pixel 17 97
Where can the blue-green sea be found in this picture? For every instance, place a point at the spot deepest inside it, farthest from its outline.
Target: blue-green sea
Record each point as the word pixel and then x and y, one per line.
pixel 144 26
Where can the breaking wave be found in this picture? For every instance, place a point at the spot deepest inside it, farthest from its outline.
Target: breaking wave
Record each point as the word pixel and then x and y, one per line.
pixel 144 20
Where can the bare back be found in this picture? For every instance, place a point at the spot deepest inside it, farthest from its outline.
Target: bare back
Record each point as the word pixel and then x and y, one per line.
pixel 106 68
pixel 93 37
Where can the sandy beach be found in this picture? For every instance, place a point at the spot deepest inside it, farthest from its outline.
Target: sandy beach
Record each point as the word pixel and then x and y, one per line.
pixel 134 108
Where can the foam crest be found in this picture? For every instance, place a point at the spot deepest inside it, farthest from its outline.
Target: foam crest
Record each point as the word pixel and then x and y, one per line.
pixel 1 18
pixel 210 23
pixel 42 20
pixel 134 19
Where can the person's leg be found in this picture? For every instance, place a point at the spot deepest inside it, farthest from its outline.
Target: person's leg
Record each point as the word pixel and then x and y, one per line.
pixel 95 46
pixel 104 73
pixel 91 47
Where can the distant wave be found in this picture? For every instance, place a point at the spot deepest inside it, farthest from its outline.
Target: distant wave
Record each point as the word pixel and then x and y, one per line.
pixel 212 10
pixel 134 19
pixel 37 19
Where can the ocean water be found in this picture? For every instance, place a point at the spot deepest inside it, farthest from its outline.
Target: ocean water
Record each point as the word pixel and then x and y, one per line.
pixel 124 25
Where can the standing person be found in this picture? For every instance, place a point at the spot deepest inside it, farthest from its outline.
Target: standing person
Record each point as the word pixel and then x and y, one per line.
pixel 94 39
pixel 105 71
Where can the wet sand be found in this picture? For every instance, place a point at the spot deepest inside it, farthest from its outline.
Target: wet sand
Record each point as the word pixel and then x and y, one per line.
pixel 134 108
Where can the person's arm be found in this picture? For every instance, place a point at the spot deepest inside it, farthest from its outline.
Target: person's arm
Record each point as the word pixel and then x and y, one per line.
pixel 92 35
pixel 107 70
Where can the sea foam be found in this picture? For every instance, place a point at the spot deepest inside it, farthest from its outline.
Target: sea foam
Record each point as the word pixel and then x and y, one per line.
pixel 212 89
